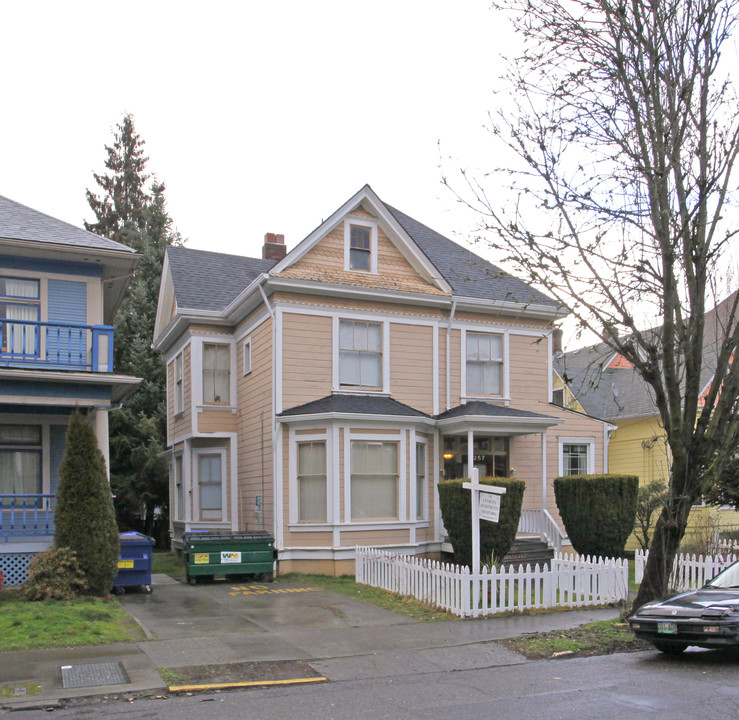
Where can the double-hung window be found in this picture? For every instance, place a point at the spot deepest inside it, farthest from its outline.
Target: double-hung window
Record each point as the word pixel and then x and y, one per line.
pixel 360 354
pixel 312 482
pixel 374 480
pixel 484 364
pixel 216 374
pixel 20 461
pixel 179 490
pixel 360 248
pixel 179 390
pixel 19 302
pixel 420 481
pixel 210 485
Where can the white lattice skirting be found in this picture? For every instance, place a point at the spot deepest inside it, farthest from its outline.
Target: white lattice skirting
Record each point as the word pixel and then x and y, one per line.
pixel 14 567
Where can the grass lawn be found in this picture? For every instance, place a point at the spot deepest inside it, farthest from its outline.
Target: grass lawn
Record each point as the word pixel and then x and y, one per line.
pixel 28 625
pixel 167 563
pixel 345 585
pixel 598 638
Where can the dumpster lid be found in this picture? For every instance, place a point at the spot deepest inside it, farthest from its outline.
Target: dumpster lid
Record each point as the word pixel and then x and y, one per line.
pixel 205 536
pixel 135 537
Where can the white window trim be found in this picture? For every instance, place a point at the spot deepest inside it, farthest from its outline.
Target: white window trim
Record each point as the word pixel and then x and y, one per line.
pixel 354 389
pixel 294 510
pixel 175 514
pixel 506 377
pixel 562 441
pixel 400 439
pixel 414 472
pixel 360 222
pixel 196 483
pixel 246 357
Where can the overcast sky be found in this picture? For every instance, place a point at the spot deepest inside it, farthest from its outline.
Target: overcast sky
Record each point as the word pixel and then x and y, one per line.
pixel 259 116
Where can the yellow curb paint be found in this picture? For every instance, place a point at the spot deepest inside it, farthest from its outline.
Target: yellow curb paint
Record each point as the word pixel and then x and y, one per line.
pixel 255 683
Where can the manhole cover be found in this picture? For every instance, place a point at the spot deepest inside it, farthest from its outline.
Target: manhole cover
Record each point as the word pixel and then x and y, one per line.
pixel 93 675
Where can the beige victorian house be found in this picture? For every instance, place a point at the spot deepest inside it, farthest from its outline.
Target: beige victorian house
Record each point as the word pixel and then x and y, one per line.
pixel 321 394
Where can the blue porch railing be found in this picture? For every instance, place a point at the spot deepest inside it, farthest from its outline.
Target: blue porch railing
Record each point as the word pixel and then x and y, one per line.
pixel 26 516
pixel 68 346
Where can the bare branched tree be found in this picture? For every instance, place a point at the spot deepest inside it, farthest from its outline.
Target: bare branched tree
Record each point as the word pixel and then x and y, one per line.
pixel 624 135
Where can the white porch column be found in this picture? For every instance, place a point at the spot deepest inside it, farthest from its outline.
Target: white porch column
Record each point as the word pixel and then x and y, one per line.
pixel 544 471
pixel 100 423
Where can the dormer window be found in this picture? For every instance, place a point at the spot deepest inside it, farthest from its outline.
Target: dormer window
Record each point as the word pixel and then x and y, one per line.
pixel 360 245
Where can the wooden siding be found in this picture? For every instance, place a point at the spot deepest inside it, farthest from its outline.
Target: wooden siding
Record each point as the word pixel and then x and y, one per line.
pixel 412 366
pixel 499 319
pixel 306 358
pixel 254 399
pixel 635 451
pixel 395 536
pixel 325 262
pixel 529 384
pixel 216 420
pixel 180 425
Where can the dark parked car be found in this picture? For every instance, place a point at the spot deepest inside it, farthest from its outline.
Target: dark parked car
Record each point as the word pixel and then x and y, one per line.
pixel 708 617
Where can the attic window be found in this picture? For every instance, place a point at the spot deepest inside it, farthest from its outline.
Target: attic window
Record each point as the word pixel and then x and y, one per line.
pixel 360 245
pixel 360 252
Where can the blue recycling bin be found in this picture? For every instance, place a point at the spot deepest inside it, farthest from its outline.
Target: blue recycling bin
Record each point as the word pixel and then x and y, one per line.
pixel 134 562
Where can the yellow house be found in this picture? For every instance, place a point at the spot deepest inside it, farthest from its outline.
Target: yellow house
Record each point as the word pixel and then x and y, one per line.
pixel 602 383
pixel 321 394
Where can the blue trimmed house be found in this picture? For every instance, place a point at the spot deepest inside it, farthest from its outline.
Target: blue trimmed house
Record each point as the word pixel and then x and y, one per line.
pixel 60 287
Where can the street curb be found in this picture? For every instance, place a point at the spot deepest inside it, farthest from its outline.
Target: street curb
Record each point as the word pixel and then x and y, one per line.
pixel 254 683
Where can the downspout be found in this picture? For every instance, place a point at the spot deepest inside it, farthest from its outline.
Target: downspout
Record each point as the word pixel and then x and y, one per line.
pixel 449 355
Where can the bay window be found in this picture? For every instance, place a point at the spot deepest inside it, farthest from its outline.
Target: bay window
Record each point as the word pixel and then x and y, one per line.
pixel 374 480
pixel 312 482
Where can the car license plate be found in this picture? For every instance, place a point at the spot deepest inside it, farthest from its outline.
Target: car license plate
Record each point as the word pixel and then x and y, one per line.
pixel 667 628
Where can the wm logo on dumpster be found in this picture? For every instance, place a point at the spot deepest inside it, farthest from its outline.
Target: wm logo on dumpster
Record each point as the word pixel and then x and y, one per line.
pixel 230 557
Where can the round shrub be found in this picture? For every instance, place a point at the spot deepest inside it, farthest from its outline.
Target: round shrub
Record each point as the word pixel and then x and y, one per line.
pixel 55 575
pixel 496 539
pixel 598 511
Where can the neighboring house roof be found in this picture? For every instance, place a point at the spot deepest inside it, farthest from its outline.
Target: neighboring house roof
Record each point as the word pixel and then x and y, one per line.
pixel 18 222
pixel 614 391
pixel 468 274
pixel 210 281
pixel 355 405
pixel 205 280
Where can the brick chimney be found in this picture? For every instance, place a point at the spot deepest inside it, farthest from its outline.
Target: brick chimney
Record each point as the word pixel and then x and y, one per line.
pixel 557 341
pixel 274 247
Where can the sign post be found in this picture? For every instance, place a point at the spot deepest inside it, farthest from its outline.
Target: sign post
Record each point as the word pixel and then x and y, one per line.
pixel 485 506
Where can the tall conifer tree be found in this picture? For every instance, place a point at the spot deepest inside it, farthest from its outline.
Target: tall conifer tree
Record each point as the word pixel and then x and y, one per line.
pixel 128 213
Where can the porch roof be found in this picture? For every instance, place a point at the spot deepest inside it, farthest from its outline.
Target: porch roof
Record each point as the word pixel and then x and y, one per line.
pixel 364 406
pixel 486 417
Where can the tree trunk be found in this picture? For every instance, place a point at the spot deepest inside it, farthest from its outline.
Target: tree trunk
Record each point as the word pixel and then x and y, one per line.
pixel 666 540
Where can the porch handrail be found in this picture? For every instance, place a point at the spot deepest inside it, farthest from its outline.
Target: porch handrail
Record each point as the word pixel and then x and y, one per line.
pixel 26 515
pixel 541 523
pixel 44 343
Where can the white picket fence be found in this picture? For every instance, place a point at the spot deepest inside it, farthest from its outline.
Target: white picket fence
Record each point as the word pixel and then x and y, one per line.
pixel 689 572
pixel 569 582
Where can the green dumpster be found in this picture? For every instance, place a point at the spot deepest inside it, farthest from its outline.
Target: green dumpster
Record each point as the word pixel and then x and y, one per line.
pixel 218 553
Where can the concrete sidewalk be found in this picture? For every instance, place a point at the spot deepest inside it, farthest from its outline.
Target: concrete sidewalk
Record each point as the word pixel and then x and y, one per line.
pixel 222 623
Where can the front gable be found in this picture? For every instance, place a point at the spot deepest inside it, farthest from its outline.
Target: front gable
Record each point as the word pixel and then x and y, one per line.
pixel 363 228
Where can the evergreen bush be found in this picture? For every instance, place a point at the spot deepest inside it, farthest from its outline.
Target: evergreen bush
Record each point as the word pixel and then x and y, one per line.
pixel 598 511
pixel 55 575
pixel 85 519
pixel 496 539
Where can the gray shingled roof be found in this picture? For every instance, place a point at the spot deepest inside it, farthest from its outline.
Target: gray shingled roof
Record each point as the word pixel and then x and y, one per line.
pixel 468 274
pixel 355 405
pixel 205 280
pixel 479 408
pixel 18 222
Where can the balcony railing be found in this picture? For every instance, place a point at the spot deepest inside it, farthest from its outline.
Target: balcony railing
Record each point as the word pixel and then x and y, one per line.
pixel 66 346
pixel 26 516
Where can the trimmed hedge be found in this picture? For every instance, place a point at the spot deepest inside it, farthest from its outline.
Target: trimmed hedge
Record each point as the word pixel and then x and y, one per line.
pixel 495 538
pixel 598 511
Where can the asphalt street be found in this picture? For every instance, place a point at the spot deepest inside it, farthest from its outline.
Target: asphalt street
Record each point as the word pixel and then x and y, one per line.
pixel 699 685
